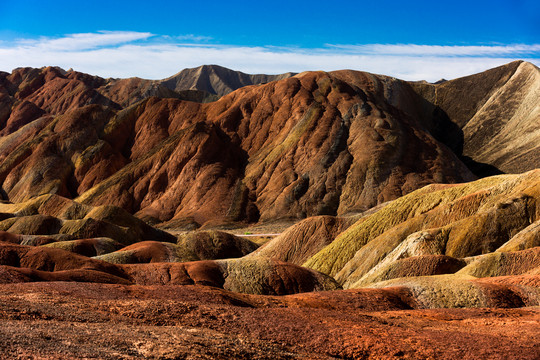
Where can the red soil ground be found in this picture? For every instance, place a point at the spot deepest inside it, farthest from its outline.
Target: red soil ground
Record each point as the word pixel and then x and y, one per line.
pixel 59 320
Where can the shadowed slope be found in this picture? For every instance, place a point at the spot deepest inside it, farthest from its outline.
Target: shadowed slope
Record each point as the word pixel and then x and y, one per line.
pixel 64 219
pixel 145 252
pixel 50 260
pixel 193 246
pixel 208 245
pixel 127 92
pixel 88 247
pixel 525 239
pixel 296 147
pixel 495 117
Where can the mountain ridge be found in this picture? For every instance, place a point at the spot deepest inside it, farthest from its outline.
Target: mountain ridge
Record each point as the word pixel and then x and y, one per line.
pixel 484 111
pixel 315 143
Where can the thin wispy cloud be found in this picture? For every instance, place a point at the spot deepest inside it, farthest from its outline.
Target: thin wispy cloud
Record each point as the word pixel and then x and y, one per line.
pixel 440 50
pixel 193 37
pixel 85 41
pixel 142 54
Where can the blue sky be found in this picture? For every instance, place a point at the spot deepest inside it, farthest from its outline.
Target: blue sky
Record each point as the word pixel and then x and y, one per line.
pixel 412 40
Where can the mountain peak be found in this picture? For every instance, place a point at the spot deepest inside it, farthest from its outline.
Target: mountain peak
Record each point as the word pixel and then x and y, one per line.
pixel 216 79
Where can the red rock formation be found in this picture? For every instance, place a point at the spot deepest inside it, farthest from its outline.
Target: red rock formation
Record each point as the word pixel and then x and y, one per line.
pixel 50 259
pixel 313 144
pixel 297 147
pixel 265 277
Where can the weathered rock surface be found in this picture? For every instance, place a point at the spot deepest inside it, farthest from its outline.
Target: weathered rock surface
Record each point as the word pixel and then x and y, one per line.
pixel 421 265
pixel 193 246
pixel 87 247
pixel 296 147
pixel 490 119
pixel 211 245
pixel 453 220
pixel 50 218
pixel 352 151
pixel 217 80
pixel 313 144
pixel 525 239
pixel 316 159
pixel 260 276
pixel 503 263
pixel 51 260
pixel 144 252
pixel 20 263
pixel 453 291
pixel 303 240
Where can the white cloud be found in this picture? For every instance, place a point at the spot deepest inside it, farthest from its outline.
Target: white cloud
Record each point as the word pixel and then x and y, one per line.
pixel 439 50
pixel 85 41
pixel 123 54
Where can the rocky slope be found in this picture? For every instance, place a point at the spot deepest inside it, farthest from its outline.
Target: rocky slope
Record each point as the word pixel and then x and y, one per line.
pixel 297 147
pixel 193 246
pixel 19 263
pixel 58 218
pixel 491 120
pixel 485 228
pixel 205 83
pixel 313 144
pixel 50 238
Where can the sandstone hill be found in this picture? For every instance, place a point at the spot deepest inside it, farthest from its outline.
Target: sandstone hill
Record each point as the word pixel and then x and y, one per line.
pixel 312 144
pixel 442 243
pixel 297 147
pixel 193 246
pixel 51 238
pixel 19 263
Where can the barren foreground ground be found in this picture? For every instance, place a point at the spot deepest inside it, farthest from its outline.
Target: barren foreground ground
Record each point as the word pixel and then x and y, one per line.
pixel 61 320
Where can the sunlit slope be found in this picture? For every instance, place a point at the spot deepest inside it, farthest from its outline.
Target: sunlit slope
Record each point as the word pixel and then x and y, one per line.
pixel 454 220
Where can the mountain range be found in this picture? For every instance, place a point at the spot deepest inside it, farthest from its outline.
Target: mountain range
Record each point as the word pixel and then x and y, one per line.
pixel 379 198
pixel 310 144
